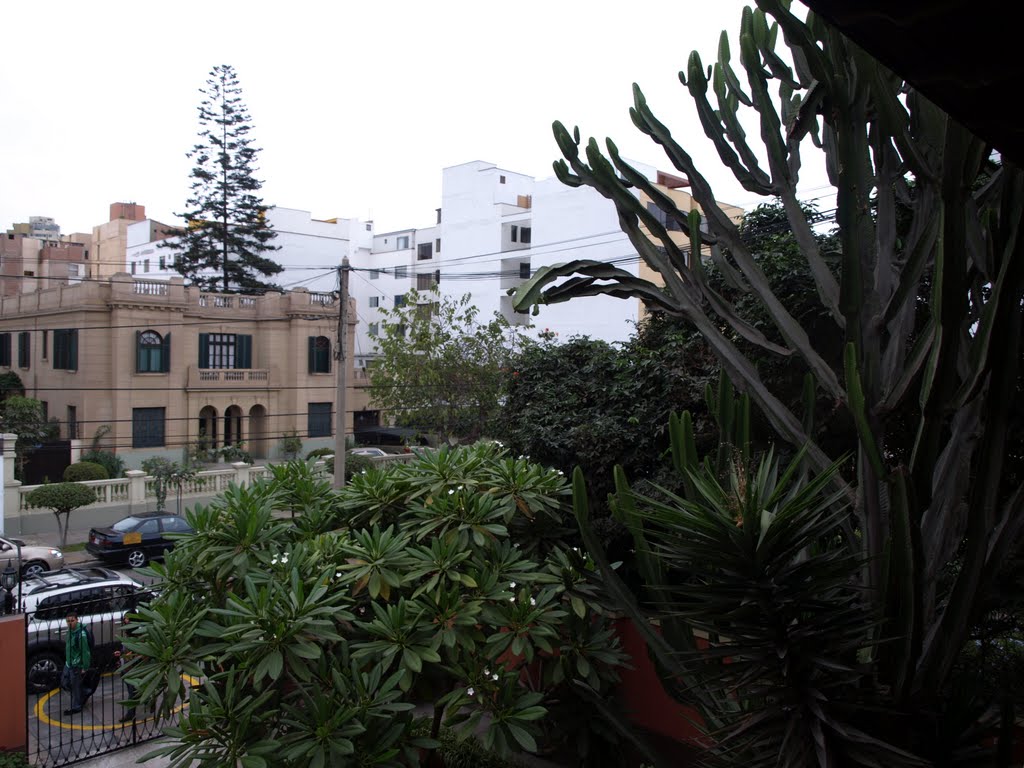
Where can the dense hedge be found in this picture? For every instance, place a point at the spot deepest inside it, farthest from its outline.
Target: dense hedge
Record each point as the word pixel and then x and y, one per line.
pixel 85 470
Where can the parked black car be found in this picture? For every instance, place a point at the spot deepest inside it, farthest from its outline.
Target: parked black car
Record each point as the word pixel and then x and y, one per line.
pixel 136 539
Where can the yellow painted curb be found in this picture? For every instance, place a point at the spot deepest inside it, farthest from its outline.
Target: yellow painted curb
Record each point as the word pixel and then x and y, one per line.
pixel 45 718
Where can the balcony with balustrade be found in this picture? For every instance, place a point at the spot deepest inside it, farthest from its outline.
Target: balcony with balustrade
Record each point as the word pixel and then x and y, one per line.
pixel 224 379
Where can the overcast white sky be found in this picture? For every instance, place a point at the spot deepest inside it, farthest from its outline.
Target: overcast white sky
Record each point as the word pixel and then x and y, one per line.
pixel 357 106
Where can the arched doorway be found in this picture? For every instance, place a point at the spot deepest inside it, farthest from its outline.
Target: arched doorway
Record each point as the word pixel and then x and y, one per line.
pixel 258 432
pixel 232 425
pixel 208 427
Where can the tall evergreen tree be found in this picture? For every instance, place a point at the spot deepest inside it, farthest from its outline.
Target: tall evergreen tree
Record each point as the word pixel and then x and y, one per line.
pixel 227 233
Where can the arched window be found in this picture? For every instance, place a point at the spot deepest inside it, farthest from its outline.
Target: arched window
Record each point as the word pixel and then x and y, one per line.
pixel 152 352
pixel 319 354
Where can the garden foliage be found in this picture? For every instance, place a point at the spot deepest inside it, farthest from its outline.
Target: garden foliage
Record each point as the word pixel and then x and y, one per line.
pixel 449 582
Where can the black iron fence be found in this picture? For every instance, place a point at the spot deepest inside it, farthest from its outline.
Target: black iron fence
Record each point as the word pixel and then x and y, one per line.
pixel 59 732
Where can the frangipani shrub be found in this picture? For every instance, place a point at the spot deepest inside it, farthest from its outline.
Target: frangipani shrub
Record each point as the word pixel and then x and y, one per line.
pixel 450 581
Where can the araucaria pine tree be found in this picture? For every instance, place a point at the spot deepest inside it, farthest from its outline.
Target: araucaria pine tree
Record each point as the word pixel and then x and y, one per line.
pixel 227 236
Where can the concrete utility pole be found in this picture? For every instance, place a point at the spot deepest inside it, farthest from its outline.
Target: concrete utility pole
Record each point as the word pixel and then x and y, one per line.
pixel 341 357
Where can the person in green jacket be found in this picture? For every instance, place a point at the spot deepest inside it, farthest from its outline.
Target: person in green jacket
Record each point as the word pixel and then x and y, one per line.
pixel 77 659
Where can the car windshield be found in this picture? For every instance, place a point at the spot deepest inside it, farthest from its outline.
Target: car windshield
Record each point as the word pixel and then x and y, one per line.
pixel 127 524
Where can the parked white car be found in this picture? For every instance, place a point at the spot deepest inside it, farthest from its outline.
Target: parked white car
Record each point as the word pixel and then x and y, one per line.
pixel 367 452
pixel 100 597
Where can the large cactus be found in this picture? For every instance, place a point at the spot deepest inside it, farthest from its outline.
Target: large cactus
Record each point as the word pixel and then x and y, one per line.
pixel 928 301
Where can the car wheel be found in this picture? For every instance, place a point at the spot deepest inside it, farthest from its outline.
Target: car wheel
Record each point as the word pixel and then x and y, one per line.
pixel 44 671
pixel 34 568
pixel 137 558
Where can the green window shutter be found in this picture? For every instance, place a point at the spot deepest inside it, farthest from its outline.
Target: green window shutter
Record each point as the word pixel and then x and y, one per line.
pixel 5 349
pixel 165 354
pixel 204 350
pixel 138 351
pixel 312 354
pixel 24 349
pixel 243 351
pixel 73 356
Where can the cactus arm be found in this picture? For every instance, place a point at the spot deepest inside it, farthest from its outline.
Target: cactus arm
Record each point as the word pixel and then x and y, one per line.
pixel 794 334
pixel 684 449
pixel 858 408
pixel 902 587
pixel 750 176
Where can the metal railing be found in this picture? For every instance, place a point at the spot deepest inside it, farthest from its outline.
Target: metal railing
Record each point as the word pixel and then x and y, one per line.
pixel 57 734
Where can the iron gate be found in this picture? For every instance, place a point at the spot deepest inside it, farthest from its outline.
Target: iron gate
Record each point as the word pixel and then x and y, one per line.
pixel 56 734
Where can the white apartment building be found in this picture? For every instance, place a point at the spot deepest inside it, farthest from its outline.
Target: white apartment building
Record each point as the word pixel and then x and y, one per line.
pixel 310 250
pixel 494 229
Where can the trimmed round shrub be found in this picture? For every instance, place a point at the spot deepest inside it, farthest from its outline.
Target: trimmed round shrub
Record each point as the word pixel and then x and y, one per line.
pixel 316 453
pixel 85 470
pixel 61 497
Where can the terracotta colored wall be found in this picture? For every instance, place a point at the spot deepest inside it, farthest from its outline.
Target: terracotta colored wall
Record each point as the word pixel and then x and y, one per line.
pixel 13 723
pixel 643 697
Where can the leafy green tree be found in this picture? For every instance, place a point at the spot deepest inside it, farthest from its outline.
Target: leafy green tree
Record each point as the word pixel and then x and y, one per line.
pixel 441 368
pixel 10 384
pixel 226 242
pixel 595 405
pixel 927 302
pixel 166 473
pixel 62 499
pixel 24 417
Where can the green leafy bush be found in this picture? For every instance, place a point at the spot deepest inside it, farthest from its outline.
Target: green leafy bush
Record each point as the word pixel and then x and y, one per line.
pixel 235 452
pixel 291 445
pixel 469 753
pixel 356 465
pixel 13 760
pixel 10 384
pixel 111 462
pixel 201 451
pixel 83 471
pixel 446 581
pixel 316 453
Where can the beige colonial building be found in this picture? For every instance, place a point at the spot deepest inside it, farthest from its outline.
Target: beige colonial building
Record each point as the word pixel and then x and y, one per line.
pixel 164 365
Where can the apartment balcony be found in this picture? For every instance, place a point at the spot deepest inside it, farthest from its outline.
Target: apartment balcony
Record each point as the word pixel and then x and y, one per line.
pixel 224 379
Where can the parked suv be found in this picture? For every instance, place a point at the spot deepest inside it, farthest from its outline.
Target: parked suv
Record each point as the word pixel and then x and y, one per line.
pixel 99 596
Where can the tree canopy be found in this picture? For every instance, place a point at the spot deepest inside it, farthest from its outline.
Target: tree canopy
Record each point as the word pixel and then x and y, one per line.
pixel 597 405
pixel 441 368
pixel 226 242
pixel 24 417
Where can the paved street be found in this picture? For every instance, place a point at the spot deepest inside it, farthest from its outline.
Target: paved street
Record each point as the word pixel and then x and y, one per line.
pixel 56 738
